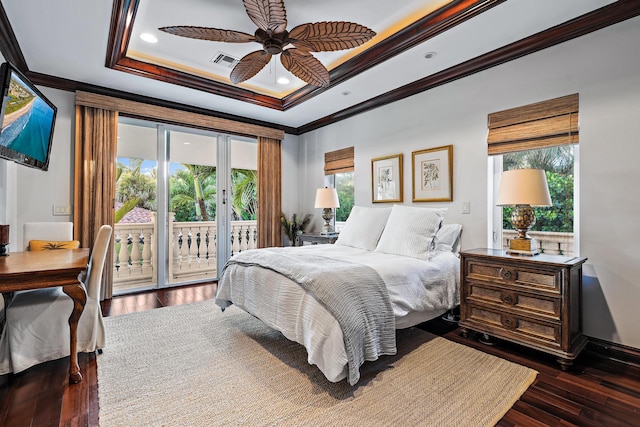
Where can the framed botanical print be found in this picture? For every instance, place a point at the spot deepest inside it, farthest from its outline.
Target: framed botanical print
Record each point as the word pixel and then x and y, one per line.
pixel 386 177
pixel 432 174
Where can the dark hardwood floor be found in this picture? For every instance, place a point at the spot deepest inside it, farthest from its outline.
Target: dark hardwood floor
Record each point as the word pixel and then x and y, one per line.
pixel 598 391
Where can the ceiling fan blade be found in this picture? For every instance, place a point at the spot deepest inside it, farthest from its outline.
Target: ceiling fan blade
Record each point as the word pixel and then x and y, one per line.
pixel 329 36
pixel 211 34
pixel 268 15
pixel 249 66
pixel 305 66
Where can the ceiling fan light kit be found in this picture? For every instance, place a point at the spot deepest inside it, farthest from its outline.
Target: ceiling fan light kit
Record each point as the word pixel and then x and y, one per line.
pixel 271 18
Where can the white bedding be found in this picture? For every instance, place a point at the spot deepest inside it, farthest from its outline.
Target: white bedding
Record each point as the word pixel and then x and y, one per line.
pixel 419 290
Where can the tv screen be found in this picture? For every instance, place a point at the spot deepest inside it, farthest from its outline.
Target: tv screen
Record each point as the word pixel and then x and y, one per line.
pixel 27 120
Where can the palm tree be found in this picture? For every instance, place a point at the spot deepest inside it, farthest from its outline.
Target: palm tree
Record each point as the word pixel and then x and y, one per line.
pixel 184 200
pixel 200 173
pixel 134 188
pixel 245 193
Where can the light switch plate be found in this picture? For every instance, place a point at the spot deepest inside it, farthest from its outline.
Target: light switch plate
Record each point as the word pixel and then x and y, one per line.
pixel 61 210
pixel 466 207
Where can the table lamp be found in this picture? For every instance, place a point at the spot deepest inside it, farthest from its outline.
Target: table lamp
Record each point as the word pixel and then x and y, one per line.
pixel 327 199
pixel 523 188
pixel 4 239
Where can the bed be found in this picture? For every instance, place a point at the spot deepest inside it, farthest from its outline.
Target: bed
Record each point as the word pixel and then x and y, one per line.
pixel 390 268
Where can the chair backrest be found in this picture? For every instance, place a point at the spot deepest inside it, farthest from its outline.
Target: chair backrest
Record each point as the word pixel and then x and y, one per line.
pixel 96 261
pixel 54 231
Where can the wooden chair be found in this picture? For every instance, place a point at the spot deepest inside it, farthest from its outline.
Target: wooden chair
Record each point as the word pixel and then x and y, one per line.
pixel 37 327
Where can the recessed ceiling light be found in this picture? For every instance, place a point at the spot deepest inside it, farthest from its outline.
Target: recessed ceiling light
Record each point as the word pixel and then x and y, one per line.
pixel 283 81
pixel 430 55
pixel 346 93
pixel 149 38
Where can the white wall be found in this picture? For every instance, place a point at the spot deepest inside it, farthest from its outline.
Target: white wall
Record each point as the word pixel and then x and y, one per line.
pixel 604 68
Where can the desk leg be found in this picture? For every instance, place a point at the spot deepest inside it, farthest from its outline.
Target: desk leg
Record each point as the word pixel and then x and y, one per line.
pixel 79 297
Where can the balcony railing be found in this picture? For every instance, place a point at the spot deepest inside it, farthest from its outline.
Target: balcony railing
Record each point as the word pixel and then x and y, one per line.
pixel 551 243
pixel 192 251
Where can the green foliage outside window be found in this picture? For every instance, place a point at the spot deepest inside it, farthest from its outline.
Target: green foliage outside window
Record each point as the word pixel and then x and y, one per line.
pixel 558 165
pixel 345 187
pixel 192 191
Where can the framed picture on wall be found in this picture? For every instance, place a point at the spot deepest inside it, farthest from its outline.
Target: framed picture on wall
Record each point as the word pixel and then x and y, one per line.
pixel 386 177
pixel 432 174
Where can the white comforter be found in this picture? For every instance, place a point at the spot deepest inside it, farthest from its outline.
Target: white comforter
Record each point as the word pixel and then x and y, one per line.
pixel 419 290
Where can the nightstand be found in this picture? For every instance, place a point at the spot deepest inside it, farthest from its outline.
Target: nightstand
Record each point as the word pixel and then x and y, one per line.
pixel 315 238
pixel 533 301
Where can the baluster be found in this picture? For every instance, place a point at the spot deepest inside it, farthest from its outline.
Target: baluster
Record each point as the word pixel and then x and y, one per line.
pixel 116 246
pixel 206 244
pixel 175 251
pixel 123 256
pixel 240 239
pixel 232 252
pixel 198 241
pixel 255 237
pixel 215 245
pixel 146 252
pixel 190 245
pixel 135 252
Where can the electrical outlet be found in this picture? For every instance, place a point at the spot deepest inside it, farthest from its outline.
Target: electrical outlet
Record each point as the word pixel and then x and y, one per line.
pixel 466 208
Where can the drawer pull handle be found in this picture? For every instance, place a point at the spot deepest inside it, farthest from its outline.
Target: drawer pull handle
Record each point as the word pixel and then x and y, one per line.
pixel 506 274
pixel 510 322
pixel 507 298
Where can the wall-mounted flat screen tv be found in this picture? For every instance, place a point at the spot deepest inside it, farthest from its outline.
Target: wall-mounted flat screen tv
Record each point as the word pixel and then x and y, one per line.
pixel 27 120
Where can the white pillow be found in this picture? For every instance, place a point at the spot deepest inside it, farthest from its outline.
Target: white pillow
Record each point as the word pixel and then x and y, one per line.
pixel 448 238
pixel 411 231
pixel 363 227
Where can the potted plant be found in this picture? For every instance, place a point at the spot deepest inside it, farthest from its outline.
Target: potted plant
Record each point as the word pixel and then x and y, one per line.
pixel 294 226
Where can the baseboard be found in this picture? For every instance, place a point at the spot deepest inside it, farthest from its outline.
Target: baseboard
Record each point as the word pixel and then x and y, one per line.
pixel 612 351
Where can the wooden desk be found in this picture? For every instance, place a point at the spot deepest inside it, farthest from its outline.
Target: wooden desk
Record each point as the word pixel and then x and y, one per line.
pixel 21 271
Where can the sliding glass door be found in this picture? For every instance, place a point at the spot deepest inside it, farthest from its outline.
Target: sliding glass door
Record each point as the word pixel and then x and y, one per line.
pixel 184 204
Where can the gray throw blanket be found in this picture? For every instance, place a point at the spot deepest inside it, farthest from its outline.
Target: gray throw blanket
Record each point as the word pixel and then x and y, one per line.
pixel 354 293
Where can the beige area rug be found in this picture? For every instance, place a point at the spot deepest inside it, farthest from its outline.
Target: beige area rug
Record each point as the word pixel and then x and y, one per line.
pixel 193 365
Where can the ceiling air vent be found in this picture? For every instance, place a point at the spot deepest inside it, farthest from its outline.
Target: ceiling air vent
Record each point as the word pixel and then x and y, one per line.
pixel 224 60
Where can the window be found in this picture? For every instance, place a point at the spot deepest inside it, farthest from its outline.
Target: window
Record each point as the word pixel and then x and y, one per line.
pixel 339 173
pixel 555 225
pixel 544 136
pixel 344 186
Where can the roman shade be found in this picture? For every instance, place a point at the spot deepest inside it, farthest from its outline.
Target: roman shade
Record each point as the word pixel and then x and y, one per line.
pixel 338 161
pixel 540 125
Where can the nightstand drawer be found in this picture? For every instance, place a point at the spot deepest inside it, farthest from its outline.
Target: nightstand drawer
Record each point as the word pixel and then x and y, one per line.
pixel 514 275
pixel 544 305
pixel 510 325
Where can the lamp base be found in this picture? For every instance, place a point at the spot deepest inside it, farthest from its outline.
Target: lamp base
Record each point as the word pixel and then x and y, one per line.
pixel 523 246
pixel 327 228
pixel 3 250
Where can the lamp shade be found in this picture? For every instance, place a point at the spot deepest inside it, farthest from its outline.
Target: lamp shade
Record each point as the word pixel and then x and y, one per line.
pixel 523 187
pixel 327 198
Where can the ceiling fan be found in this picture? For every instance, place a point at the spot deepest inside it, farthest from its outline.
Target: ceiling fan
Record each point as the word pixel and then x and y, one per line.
pixel 271 18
